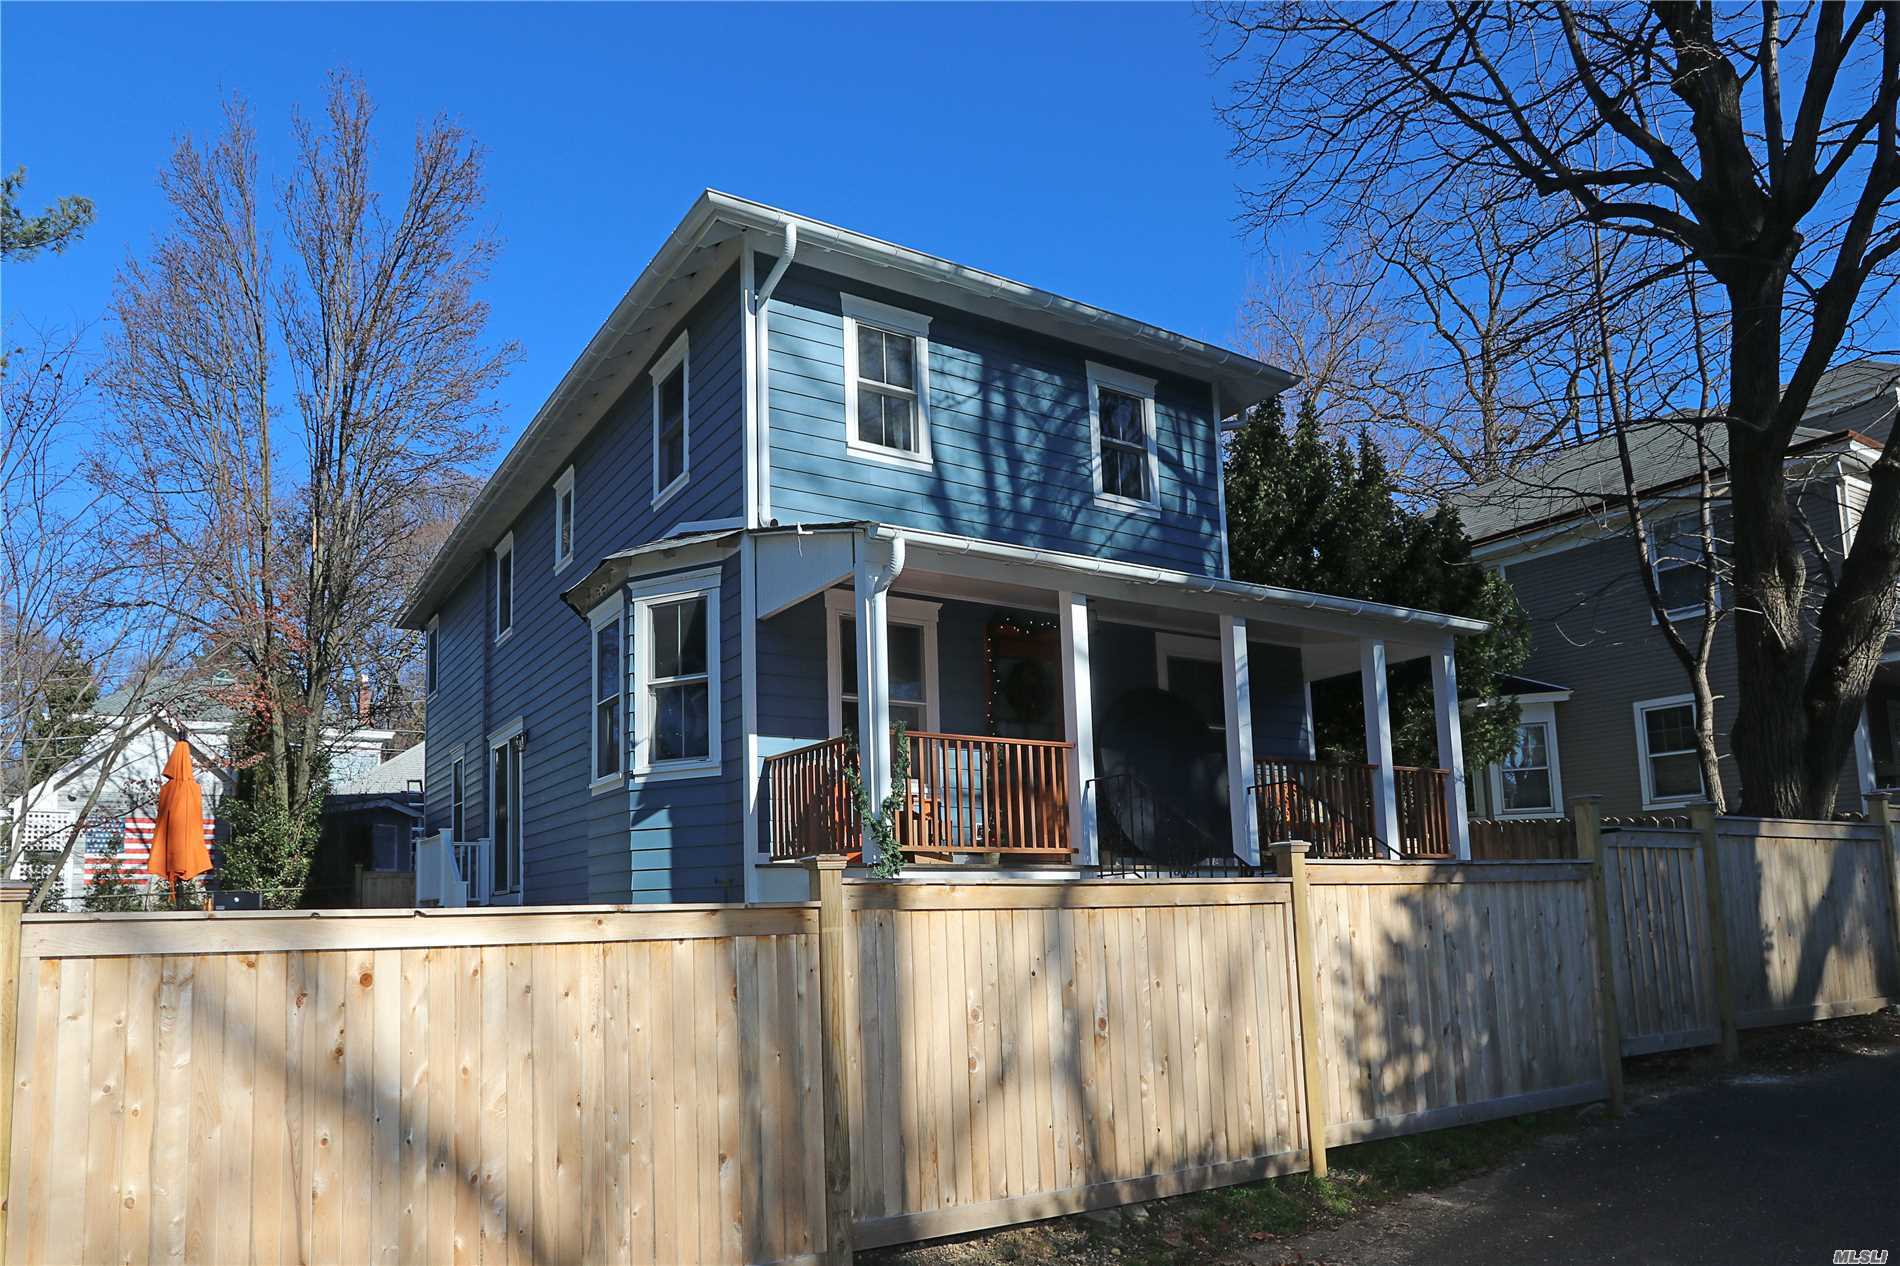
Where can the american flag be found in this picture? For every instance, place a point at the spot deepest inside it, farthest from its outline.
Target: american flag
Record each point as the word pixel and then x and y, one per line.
pixel 125 846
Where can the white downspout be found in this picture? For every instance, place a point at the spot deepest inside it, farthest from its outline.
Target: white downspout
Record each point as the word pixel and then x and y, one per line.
pixel 762 432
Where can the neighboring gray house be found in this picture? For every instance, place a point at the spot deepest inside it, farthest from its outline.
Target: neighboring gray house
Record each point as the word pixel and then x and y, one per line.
pixel 1607 706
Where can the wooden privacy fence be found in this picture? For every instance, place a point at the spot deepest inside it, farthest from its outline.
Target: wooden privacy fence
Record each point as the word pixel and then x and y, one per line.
pixel 1735 923
pixel 767 1083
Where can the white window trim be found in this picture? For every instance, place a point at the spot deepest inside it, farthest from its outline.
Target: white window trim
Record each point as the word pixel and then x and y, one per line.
pixel 432 657
pixel 498 739
pixel 609 611
pixel 1144 389
pixel 910 612
pixel 505 548
pixel 1694 610
pixel 564 486
pixel 897 321
pixel 458 788
pixel 1544 714
pixel 674 357
pixel 1650 799
pixel 1186 646
pixel 644 597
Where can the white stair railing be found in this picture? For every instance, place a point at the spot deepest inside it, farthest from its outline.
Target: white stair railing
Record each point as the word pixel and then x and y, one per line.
pixel 438 879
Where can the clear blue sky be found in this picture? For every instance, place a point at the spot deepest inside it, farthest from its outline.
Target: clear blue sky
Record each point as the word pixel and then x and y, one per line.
pixel 1073 147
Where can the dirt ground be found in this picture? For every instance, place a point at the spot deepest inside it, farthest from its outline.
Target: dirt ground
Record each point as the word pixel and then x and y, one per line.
pixel 1785 1157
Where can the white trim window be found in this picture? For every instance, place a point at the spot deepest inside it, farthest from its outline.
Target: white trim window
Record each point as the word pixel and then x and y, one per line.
pixel 1528 782
pixel 564 519
pixel 1189 667
pixel 1666 752
pixel 505 587
pixel 505 825
pixel 886 382
pixel 912 626
pixel 1675 559
pixel 457 804
pixel 607 624
pixel 431 654
pixel 1124 465
pixel 676 677
pixel 672 411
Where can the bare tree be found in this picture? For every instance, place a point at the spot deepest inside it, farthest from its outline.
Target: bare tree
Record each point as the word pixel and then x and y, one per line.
pixel 370 341
pixel 1666 123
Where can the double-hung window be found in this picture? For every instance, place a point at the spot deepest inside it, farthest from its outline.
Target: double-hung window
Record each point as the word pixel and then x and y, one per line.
pixel 505 824
pixel 676 677
pixel 505 587
pixel 911 627
pixel 1666 747
pixel 1676 557
pixel 608 624
pixel 1123 462
pixel 886 381
pixel 672 402
pixel 564 519
pixel 456 821
pixel 1525 783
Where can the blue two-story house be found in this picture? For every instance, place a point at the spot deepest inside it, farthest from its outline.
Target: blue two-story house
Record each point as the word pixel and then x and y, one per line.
pixel 807 493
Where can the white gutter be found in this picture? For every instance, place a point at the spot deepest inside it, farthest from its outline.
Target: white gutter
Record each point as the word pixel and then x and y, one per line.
pixel 762 408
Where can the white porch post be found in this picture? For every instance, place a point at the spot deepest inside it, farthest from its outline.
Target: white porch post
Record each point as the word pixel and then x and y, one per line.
pixel 1237 694
pixel 874 686
pixel 1078 723
pixel 1385 792
pixel 1451 744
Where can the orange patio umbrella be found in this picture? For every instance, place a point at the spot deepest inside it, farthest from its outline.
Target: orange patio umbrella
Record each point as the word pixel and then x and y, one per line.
pixel 178 837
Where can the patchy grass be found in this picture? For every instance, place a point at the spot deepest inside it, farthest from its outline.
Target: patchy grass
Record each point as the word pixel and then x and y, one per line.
pixel 1225 1224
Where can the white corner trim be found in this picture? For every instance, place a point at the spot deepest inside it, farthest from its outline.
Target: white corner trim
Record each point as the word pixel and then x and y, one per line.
pixel 1220 474
pixel 1143 389
pixel 749 409
pixel 675 357
pixel 564 486
pixel 896 321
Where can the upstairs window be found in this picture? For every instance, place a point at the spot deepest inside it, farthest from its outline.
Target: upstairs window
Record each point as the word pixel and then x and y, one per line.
pixel 886 375
pixel 671 406
pixel 1665 743
pixel 676 668
pixel 564 519
pixel 608 742
pixel 505 587
pixel 1123 464
pixel 1675 554
pixel 431 644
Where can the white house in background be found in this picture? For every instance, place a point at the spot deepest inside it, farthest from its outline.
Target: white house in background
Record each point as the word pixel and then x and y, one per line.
pixel 118 830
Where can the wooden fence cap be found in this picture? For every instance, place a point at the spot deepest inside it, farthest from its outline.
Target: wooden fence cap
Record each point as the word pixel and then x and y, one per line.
pixel 1289 846
pixel 15 891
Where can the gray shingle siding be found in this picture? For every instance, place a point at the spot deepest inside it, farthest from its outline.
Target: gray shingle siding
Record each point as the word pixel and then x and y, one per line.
pixel 577 844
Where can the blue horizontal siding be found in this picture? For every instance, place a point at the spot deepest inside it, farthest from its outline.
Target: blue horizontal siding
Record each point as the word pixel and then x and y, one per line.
pixel 579 845
pixel 1009 438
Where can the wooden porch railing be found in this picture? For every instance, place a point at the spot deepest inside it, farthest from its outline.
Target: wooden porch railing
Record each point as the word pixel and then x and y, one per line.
pixel 967 794
pixel 808 807
pixel 1329 804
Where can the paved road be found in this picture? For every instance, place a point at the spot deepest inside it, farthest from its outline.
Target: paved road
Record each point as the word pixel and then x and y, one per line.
pixel 1764 1169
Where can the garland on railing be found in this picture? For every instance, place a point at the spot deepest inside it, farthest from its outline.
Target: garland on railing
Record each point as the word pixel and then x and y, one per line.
pixel 883 824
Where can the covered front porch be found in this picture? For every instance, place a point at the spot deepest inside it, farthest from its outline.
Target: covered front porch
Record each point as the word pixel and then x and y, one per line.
pixel 1068 715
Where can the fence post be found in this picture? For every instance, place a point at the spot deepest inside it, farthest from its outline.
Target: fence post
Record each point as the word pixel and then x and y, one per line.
pixel 1289 862
pixel 13 897
pixel 1587 814
pixel 1880 812
pixel 827 889
pixel 1702 817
